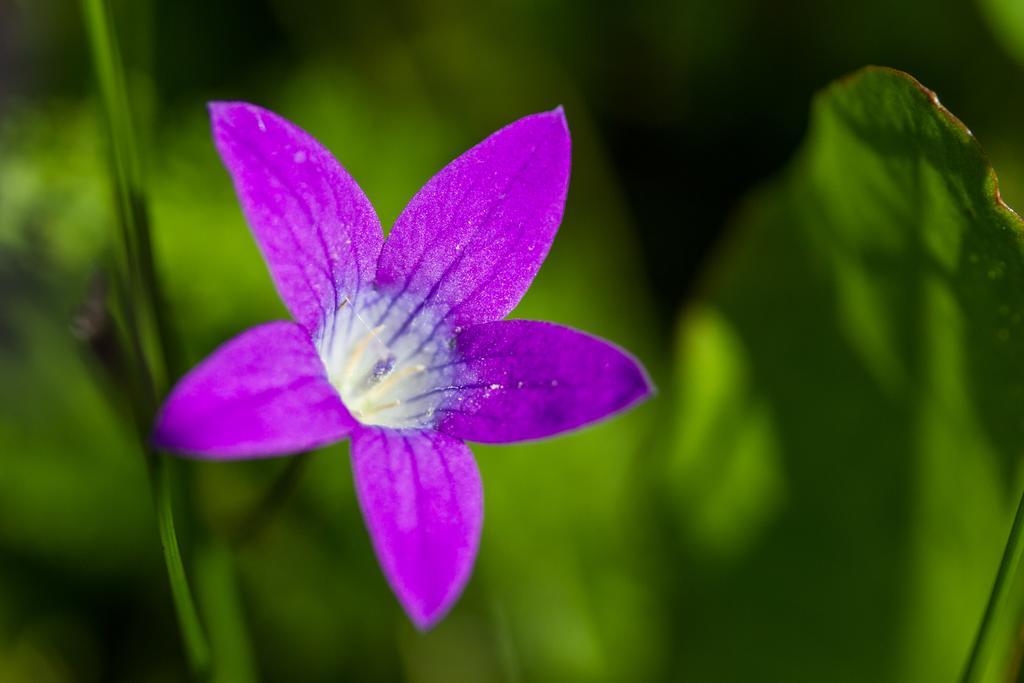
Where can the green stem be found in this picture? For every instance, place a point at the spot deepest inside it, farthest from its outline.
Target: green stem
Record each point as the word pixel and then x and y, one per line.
pixel 194 637
pixel 139 305
pixel 1006 577
pixel 141 297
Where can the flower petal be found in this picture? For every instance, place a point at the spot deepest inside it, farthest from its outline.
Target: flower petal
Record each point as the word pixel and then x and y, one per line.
pixel 520 379
pixel 265 392
pixel 421 495
pixel 317 230
pixel 471 241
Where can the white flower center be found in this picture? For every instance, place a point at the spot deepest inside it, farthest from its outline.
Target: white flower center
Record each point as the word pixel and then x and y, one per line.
pixel 390 360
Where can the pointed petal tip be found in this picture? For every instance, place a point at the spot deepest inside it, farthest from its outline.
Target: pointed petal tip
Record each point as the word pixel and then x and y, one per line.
pixel 160 438
pixel 170 435
pixel 234 112
pixel 424 622
pixel 221 114
pixel 645 388
pixel 557 116
pixel 642 387
pixel 166 441
pixel 218 109
pixel 648 389
pixel 551 121
pixel 424 618
pixel 559 113
pixel 168 438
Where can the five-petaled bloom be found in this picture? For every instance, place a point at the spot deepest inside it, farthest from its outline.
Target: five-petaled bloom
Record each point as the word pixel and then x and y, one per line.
pixel 400 343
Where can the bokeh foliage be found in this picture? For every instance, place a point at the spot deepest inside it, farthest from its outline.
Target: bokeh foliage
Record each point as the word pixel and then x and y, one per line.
pixel 821 489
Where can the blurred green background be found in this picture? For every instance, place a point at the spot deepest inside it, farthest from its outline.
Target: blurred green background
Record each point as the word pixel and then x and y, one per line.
pixel 823 486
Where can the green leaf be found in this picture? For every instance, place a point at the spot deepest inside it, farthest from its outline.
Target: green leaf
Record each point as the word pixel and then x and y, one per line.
pixel 850 412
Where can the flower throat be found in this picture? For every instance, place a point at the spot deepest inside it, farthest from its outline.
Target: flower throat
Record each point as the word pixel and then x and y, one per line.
pixel 389 360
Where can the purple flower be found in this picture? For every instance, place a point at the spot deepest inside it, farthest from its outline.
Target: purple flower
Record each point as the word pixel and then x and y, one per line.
pixel 400 343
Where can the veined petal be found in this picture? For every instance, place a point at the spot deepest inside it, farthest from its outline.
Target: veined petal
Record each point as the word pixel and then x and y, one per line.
pixel 265 392
pixel 520 379
pixel 317 230
pixel 470 242
pixel 421 495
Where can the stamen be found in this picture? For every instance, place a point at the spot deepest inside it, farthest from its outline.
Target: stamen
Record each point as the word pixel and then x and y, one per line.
pixel 391 380
pixel 359 350
pixel 381 407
